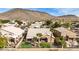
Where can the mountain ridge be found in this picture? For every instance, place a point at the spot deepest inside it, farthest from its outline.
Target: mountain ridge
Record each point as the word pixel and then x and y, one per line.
pixel 32 15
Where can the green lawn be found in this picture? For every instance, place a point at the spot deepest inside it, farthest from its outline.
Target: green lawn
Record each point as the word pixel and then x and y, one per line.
pixel 26 45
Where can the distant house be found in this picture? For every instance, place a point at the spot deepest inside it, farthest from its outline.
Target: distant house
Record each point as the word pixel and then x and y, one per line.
pixel 65 32
pixel 36 25
pixel 32 32
pixel 14 34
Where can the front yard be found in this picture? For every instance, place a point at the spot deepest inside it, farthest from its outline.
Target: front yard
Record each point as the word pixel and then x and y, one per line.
pixel 25 45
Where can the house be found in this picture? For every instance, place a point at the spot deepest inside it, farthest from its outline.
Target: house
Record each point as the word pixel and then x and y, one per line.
pixel 46 33
pixel 72 36
pixel 36 25
pixel 14 34
pixel 65 32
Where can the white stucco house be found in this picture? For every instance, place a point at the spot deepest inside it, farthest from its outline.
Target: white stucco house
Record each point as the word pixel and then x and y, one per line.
pixel 13 34
pixel 66 32
pixel 32 32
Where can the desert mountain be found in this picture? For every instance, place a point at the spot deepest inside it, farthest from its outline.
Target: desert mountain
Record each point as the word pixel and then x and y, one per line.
pixel 30 15
pixel 68 17
pixel 25 14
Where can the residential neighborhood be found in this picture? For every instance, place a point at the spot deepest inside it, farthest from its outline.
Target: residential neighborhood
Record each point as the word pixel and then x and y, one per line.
pixel 48 33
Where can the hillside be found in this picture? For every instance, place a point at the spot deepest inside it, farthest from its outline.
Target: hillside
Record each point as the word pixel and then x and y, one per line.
pixel 30 15
pixel 68 17
pixel 25 14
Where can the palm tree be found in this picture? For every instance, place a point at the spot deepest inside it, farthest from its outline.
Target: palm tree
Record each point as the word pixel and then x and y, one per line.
pixel 62 41
pixel 59 40
pixel 39 35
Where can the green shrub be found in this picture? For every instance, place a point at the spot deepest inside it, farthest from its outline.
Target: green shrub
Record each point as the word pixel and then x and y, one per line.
pixel 55 25
pixel 26 45
pixel 4 21
pixel 45 45
pixel 19 22
pixel 3 42
pixel 60 41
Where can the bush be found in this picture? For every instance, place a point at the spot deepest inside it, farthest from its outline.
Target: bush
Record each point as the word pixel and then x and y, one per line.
pixel 39 34
pixel 19 22
pixel 26 45
pixel 55 25
pixel 48 22
pixel 60 42
pixel 4 21
pixel 45 45
pixel 3 42
pixel 67 25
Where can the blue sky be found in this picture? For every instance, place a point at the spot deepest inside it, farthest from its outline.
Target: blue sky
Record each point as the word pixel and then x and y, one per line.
pixel 52 11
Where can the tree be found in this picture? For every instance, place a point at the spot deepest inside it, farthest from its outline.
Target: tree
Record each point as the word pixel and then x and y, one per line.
pixel 57 42
pixel 39 35
pixel 67 25
pixel 48 23
pixel 19 22
pixel 35 39
pixel 3 42
pixel 45 45
pixel 60 42
pixel 56 33
pixel 55 25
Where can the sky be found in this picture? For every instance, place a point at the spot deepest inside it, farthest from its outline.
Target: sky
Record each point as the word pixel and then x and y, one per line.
pixel 52 11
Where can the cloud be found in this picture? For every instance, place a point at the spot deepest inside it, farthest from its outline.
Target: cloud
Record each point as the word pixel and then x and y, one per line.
pixel 59 11
pixel 66 11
